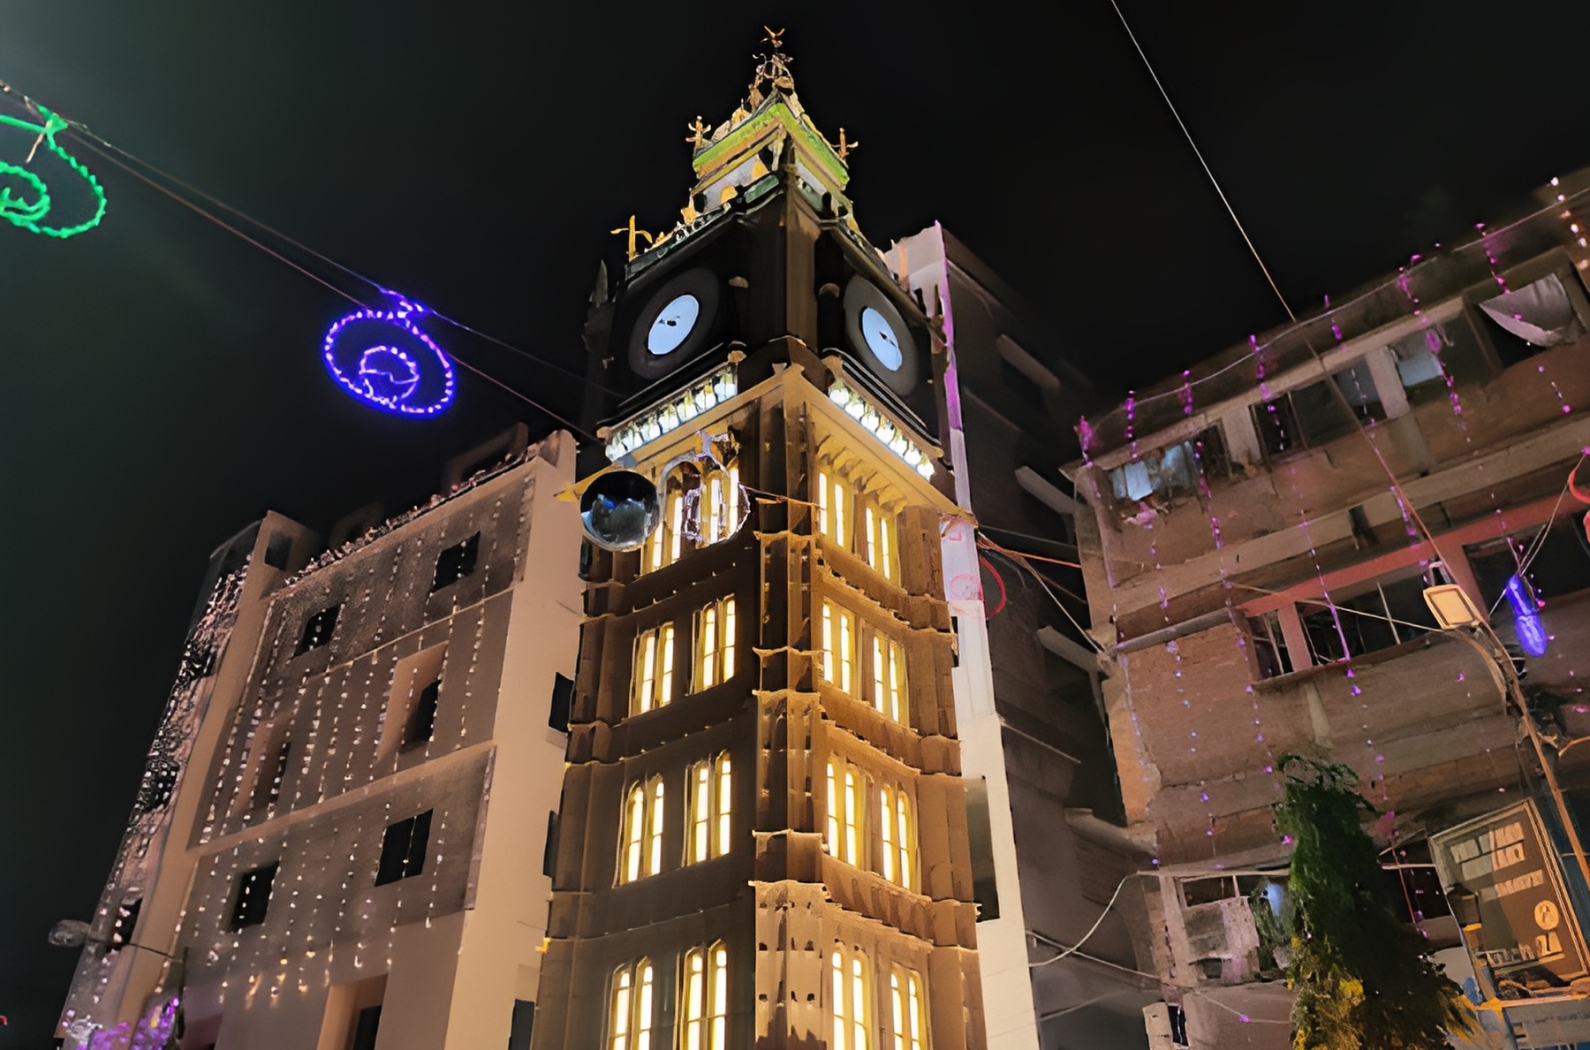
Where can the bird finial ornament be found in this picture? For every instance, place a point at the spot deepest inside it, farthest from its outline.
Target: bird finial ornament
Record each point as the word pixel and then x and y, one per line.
pixel 775 37
pixel 845 147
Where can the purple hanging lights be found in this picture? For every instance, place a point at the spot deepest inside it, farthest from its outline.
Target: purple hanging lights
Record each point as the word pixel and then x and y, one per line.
pixel 383 358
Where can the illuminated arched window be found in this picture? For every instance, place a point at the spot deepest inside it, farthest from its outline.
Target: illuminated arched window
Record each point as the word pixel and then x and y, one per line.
pixel 720 508
pixel 833 507
pixel 897 835
pixel 704 999
pixel 707 829
pixel 888 678
pixel 909 1011
pixel 667 541
pixel 839 645
pixel 642 837
pixel 629 1022
pixel 851 993
pixel 847 794
pixel 879 527
pixel 653 682
pixel 714 644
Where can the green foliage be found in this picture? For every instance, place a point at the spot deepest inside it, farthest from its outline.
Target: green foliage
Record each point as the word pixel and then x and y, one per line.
pixel 1362 980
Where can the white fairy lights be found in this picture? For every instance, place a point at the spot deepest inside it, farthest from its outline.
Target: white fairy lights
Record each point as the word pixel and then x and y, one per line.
pixel 880 427
pixel 678 410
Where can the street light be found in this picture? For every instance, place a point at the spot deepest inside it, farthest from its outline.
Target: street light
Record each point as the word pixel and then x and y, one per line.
pixel 1457 615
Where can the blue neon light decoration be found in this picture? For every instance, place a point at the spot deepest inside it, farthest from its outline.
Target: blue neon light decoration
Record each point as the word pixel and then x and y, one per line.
pixel 1526 617
pixel 386 360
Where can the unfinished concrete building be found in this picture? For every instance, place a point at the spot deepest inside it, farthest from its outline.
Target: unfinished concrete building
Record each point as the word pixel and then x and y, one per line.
pixel 763 839
pixel 1256 585
pixel 340 841
pixel 1043 810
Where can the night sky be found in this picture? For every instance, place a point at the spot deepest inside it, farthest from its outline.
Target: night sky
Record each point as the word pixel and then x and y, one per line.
pixel 163 385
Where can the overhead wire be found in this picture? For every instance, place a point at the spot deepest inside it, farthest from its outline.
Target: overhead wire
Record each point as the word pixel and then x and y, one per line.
pixel 99 143
pixel 280 257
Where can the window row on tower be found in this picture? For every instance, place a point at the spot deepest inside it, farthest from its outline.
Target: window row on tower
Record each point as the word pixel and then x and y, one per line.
pixel 861 1021
pixel 698 509
pixel 703 1004
pixel 707 817
pixel 857 522
pixel 712 662
pixel 871 823
pixel 863 662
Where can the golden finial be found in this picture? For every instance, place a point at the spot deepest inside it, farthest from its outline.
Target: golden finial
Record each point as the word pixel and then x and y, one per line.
pixel 845 147
pixel 633 233
pixel 698 133
pixel 774 37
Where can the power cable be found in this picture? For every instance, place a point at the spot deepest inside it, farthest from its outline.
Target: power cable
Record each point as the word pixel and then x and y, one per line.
pixel 90 143
pixel 95 141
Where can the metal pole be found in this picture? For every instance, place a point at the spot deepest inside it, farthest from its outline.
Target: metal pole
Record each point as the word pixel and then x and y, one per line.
pixel 1515 689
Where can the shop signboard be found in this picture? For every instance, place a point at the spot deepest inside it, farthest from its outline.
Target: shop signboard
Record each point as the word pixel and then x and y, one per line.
pixel 1503 863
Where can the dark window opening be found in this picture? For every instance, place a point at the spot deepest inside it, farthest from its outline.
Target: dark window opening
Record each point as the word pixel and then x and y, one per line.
pixel 456 562
pixel 524 1019
pixel 1386 615
pixel 1269 646
pixel 403 849
pixel 1313 415
pixel 1178 1027
pixel 562 703
pixel 422 723
pixel 955 650
pixel 980 838
pixel 586 552
pixel 364 1031
pixel 317 629
pixel 278 549
pixel 1175 470
pixel 121 930
pixel 253 897
pixel 549 852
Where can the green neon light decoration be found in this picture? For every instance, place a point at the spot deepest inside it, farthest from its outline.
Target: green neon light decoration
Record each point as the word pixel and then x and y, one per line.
pixel 29 214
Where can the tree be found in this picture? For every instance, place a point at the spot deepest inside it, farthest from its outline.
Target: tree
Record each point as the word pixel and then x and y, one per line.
pixel 1362 979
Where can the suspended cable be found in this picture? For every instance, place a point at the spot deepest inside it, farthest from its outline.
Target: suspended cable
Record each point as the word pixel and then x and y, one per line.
pixel 96 141
pixel 267 249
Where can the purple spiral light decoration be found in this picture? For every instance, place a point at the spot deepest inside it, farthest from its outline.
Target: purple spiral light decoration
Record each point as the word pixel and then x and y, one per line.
pixel 386 360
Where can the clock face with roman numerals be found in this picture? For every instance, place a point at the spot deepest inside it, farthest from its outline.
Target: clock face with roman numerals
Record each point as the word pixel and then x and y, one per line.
pixel 676 323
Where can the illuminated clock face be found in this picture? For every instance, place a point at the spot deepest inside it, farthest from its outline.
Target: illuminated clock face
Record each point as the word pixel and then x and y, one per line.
pixel 881 339
pixel 673 325
pixel 678 321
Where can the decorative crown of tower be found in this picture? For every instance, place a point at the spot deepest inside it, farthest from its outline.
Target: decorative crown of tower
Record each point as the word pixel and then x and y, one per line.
pixel 768 130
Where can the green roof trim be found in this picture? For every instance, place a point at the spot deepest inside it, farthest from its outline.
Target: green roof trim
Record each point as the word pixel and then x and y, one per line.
pixel 755 126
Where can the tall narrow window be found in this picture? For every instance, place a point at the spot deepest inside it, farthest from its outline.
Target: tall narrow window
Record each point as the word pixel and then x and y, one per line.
pixel 839 641
pixel 897 836
pixel 888 678
pixel 422 723
pixel 666 541
pixel 693 996
pixel 654 669
pixel 253 897
pixel 640 844
pixel 631 1010
pixel 833 499
pixel 456 562
pixel 880 527
pixel 318 629
pixel 707 827
pixel 850 973
pixel 403 849
pixel 715 644
pixel 718 1013
pixel 847 795
pixel 905 993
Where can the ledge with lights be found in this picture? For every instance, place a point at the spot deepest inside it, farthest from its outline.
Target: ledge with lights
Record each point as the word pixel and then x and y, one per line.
pixel 879 426
pixel 625 438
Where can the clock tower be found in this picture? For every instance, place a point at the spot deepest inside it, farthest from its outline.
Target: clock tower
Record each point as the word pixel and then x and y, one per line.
pixel 762 835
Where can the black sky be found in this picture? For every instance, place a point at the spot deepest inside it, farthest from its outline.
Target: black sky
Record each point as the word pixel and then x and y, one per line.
pixel 162 384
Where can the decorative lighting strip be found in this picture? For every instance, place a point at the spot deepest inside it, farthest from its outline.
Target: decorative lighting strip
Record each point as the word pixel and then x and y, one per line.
pixel 672 414
pixel 388 362
pixel 30 214
pixel 875 423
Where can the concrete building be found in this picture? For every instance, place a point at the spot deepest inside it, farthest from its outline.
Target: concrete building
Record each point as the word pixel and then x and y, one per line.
pixel 1256 584
pixel 763 836
pixel 341 840
pixel 1044 811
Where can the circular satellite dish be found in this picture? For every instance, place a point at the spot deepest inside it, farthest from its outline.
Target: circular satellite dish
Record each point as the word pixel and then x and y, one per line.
pixel 619 510
pixel 69 933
